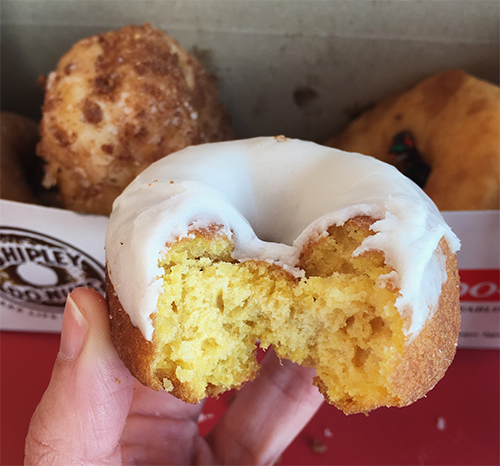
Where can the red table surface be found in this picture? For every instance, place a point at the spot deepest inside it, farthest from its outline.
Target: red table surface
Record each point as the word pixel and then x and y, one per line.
pixel 456 424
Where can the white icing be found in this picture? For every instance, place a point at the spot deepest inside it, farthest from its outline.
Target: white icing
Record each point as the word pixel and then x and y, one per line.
pixel 273 195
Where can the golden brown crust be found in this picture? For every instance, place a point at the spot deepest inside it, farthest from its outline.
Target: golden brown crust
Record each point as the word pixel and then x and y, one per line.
pixel 455 120
pixel 135 351
pixel 139 354
pixel 118 102
pixel 427 358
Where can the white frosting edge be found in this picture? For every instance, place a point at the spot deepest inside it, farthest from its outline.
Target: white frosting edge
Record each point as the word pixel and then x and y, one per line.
pixel 195 188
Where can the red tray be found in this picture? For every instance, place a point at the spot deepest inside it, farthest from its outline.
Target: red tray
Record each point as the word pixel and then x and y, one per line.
pixel 456 424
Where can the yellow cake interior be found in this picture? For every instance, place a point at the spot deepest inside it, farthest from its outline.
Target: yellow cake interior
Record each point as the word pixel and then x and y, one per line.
pixel 337 319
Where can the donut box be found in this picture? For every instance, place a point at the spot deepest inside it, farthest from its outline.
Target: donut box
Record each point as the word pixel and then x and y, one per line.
pixel 301 68
pixel 478 261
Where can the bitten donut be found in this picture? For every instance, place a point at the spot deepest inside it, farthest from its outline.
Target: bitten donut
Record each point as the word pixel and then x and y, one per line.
pixel 116 103
pixel 444 134
pixel 336 260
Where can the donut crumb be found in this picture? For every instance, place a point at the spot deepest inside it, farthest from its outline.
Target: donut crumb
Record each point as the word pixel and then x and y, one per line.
pixel 317 446
pixel 328 433
pixel 441 423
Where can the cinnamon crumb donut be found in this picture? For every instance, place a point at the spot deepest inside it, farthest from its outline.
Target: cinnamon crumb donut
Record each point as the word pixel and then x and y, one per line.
pixel 116 103
pixel 336 260
pixel 444 134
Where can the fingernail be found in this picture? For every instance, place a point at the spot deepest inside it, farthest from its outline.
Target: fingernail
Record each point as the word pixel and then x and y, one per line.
pixel 74 330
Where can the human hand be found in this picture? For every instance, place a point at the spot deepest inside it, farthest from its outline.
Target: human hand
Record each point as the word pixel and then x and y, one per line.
pixel 94 413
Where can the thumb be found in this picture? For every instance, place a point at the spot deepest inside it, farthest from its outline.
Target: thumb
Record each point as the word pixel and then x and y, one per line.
pixel 83 411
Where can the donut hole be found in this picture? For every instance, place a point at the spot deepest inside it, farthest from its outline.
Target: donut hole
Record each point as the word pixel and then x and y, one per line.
pixel 214 311
pixel 116 104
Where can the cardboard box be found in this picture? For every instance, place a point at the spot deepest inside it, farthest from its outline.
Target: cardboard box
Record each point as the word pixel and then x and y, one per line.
pixel 294 67
pixel 479 265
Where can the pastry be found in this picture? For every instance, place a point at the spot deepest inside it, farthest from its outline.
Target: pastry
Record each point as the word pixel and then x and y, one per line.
pixel 444 134
pixel 116 103
pixel 336 260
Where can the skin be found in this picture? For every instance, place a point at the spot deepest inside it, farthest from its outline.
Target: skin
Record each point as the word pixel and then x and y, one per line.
pixel 93 412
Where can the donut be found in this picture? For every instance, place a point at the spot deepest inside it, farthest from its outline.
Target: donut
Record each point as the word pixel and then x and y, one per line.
pixel 444 133
pixel 335 260
pixel 117 102
pixel 19 136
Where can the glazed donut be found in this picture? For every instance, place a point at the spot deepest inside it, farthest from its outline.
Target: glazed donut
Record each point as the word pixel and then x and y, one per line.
pixel 116 103
pixel 19 136
pixel 336 260
pixel 444 134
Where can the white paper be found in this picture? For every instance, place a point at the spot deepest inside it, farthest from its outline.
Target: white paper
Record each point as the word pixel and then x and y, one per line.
pixel 44 254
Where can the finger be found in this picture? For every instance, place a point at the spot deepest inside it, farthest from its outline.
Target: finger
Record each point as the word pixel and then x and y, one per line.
pixel 266 415
pixel 167 443
pixel 82 413
pixel 160 429
pixel 161 404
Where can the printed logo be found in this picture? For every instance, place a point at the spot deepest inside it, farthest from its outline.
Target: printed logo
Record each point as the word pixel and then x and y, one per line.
pixel 37 272
pixel 480 285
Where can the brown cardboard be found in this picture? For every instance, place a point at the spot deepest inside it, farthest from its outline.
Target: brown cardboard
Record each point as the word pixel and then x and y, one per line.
pixel 293 67
pixel 296 67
